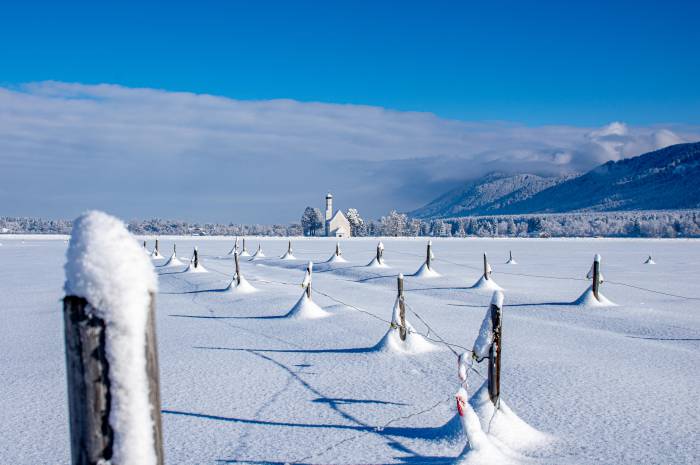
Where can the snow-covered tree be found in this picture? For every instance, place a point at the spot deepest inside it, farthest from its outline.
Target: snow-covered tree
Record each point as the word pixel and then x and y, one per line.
pixel 394 224
pixel 311 221
pixel 357 224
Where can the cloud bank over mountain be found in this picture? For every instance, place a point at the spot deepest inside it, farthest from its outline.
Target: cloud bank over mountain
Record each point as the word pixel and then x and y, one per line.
pixel 143 152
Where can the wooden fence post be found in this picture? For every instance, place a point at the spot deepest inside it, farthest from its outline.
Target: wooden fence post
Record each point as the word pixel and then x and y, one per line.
pixel 510 255
pixel 289 247
pixel 486 267
pixel 402 308
pixel 196 258
pixel 88 377
pixel 174 249
pixel 144 245
pixel 429 254
pixel 157 248
pixel 309 273
pixel 243 245
pixel 494 375
pixel 337 249
pixel 596 277
pixel 238 268
pixel 380 252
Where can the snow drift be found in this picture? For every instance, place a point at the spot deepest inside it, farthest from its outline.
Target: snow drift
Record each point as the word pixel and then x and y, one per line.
pixel 587 299
pixel 242 287
pixel 425 272
pixel 306 309
pixel 415 343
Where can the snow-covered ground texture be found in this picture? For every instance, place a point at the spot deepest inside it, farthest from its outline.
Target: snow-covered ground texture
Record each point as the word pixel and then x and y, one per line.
pixel 243 383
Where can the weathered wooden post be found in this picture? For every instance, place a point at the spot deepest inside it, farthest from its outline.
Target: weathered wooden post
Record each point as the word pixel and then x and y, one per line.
pixel 106 348
pixel 510 255
pixel 337 249
pixel 174 249
pixel 596 277
pixel 494 375
pixel 195 258
pixel 157 248
pixel 238 268
pixel 429 254
pixel 402 308
pixel 289 247
pixel 487 268
pixel 144 246
pixel 380 253
pixel 307 279
pixel 244 249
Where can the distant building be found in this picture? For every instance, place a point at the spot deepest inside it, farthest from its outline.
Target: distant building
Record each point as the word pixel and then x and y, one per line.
pixel 337 225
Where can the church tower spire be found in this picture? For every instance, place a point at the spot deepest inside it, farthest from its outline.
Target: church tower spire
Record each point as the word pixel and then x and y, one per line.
pixel 329 212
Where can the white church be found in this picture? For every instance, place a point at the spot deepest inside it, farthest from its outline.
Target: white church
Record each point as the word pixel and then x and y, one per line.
pixel 337 225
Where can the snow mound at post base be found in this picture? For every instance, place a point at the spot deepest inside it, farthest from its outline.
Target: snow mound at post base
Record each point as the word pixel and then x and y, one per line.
pixel 375 264
pixel 257 255
pixel 587 299
pixel 200 269
pixel 306 309
pixel 288 256
pixel 173 261
pixel 336 259
pixel 392 343
pixel 106 266
pixel 425 272
pixel 500 438
pixel 486 285
pixel 244 287
pixel 511 261
pixel 244 254
pixel 414 343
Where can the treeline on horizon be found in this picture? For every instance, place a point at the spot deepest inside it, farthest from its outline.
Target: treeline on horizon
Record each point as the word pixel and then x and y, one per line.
pixel 660 224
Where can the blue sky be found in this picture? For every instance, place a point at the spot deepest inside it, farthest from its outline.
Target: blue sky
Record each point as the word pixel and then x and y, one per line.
pixel 249 111
pixel 544 62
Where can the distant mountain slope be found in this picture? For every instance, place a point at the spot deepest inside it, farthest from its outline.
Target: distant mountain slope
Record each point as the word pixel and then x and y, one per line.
pixel 664 179
pixel 486 195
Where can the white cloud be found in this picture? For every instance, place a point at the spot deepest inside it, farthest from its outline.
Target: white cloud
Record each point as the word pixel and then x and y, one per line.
pixel 143 152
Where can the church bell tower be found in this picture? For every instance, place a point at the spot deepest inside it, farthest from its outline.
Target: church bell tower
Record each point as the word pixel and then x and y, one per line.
pixel 329 213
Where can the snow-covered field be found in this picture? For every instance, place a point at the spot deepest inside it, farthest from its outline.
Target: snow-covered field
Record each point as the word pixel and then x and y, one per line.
pixel 243 382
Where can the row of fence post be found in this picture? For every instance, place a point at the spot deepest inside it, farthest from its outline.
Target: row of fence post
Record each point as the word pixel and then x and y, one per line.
pixel 88 374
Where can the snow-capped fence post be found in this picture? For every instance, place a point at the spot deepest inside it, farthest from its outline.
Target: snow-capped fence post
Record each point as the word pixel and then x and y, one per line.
pixel 380 253
pixel 487 268
pixel 195 257
pixel 144 245
pixel 307 279
pixel 429 254
pixel 595 276
pixel 494 375
pixel 238 267
pixel 337 249
pixel 402 307
pixel 157 248
pixel 289 247
pixel 110 345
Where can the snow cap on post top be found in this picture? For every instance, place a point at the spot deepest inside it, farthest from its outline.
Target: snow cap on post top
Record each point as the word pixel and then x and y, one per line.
pixel 106 266
pixel 596 258
pixel 497 299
